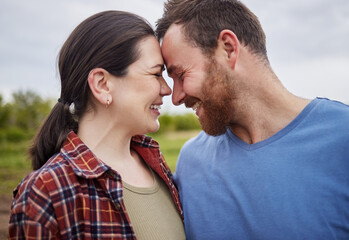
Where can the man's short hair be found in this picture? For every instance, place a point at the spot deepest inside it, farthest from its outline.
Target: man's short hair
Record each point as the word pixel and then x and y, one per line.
pixel 203 20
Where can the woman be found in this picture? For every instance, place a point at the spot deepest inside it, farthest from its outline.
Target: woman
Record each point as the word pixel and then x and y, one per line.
pixel 97 176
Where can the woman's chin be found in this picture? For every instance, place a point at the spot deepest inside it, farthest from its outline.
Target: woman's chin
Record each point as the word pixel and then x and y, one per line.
pixel 155 127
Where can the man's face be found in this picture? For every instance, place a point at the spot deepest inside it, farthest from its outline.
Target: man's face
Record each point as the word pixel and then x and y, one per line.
pixel 185 64
pixel 199 82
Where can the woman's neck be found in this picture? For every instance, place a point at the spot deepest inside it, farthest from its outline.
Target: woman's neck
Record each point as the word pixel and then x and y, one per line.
pixel 111 143
pixel 106 139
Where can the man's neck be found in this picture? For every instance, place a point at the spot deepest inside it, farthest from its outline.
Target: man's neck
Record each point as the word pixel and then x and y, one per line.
pixel 262 117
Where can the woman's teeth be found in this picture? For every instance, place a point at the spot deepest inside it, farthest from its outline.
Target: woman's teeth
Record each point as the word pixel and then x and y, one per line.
pixel 156 107
pixel 196 106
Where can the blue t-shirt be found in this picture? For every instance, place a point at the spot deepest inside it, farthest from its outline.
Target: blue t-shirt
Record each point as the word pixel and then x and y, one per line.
pixel 293 185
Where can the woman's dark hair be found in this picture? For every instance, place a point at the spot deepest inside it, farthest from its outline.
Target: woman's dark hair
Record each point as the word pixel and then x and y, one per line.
pixel 203 20
pixel 105 40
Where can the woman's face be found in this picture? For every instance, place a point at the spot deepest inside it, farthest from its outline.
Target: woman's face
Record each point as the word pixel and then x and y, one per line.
pixel 138 95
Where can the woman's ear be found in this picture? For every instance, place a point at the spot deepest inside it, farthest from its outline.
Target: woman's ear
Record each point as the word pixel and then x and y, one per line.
pixel 230 44
pixel 98 80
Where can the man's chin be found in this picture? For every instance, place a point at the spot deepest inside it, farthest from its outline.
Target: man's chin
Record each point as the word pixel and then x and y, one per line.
pixel 214 133
pixel 212 129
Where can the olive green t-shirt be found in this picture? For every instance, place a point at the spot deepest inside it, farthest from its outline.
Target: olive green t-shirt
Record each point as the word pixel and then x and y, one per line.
pixel 152 212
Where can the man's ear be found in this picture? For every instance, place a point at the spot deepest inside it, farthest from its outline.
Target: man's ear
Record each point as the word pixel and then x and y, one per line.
pixel 99 85
pixel 230 45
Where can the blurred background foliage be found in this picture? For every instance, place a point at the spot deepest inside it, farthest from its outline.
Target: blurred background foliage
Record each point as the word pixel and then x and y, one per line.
pixel 20 118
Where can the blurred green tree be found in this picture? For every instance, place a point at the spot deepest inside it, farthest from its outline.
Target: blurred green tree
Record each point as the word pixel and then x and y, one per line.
pixel 5 113
pixel 20 118
pixel 29 109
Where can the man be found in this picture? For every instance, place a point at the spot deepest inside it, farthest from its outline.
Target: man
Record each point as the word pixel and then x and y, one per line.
pixel 269 164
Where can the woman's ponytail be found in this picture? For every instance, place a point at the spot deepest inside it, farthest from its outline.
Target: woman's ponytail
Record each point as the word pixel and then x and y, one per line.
pixel 52 134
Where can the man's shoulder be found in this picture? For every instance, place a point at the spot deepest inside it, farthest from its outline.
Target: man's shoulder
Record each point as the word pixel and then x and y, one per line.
pixel 200 139
pixel 203 141
pixel 333 105
pixel 333 111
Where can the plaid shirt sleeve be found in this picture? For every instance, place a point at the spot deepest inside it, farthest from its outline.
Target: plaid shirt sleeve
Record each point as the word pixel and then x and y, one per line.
pixel 32 215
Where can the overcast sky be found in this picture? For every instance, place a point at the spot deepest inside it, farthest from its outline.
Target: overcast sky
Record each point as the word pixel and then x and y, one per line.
pixel 307 42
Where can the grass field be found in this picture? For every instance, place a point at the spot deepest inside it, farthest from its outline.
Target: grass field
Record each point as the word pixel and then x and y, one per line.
pixel 13 165
pixel 171 143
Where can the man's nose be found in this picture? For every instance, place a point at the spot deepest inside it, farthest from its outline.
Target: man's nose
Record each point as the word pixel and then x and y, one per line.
pixel 178 94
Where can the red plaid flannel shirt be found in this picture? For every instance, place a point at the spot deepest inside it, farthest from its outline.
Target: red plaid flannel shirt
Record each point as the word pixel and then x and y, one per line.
pixel 76 196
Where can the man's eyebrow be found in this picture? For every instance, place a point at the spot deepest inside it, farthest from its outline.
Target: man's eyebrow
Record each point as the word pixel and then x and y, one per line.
pixel 173 68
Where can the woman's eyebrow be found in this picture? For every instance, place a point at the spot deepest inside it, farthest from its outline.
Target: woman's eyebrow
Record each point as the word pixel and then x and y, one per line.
pixel 161 66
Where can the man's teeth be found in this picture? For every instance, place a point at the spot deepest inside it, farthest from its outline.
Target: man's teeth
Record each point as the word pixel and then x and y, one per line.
pixel 196 106
pixel 156 107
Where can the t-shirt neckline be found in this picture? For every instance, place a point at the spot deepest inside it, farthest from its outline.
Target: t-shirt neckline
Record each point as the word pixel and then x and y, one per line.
pixel 294 123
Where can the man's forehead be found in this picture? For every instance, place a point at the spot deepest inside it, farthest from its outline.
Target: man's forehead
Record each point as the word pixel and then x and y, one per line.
pixel 173 38
pixel 174 30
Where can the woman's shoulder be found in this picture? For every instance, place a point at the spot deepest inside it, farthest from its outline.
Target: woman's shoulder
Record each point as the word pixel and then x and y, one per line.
pixel 43 180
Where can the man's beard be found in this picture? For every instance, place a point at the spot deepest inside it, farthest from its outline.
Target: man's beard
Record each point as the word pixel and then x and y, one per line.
pixel 218 93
